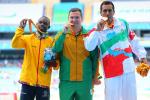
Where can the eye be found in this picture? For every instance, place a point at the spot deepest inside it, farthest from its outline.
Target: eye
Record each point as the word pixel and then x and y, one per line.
pixel 45 23
pixel 77 17
pixel 71 17
pixel 107 10
pixel 40 22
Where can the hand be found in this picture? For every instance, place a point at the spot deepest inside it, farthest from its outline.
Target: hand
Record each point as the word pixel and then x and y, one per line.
pixel 23 23
pixel 144 60
pixel 65 28
pixel 100 25
pixel 97 81
pixel 53 64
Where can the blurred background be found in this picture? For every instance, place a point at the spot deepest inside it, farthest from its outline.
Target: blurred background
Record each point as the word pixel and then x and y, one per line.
pixel 137 13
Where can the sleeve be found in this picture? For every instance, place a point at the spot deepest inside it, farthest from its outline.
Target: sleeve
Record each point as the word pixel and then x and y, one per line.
pixel 91 41
pixel 137 48
pixel 95 63
pixel 59 42
pixel 18 39
pixel 97 73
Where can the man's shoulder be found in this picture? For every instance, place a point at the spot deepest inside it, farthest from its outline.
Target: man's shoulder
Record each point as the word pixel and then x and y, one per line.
pixel 123 20
pixel 29 35
pixel 84 30
pixel 49 37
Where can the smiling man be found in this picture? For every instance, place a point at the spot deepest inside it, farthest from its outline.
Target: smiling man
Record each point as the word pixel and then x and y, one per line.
pixel 77 65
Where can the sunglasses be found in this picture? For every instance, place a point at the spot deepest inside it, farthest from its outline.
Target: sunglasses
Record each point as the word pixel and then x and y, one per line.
pixel 107 10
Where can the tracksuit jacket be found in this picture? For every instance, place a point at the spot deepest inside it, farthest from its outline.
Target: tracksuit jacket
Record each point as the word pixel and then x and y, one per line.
pixel 116 47
pixel 33 58
pixel 76 63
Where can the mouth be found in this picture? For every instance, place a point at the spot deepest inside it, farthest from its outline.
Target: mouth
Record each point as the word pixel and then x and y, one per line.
pixel 42 28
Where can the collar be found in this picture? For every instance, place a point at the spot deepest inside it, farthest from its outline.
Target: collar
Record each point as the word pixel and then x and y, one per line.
pixel 83 31
pixel 42 36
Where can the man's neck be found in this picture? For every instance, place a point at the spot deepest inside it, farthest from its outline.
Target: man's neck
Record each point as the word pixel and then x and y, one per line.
pixel 40 35
pixel 110 23
pixel 76 29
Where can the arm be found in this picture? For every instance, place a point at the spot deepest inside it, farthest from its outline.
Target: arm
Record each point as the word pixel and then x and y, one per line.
pixel 95 63
pixel 59 42
pixel 137 49
pixel 18 39
pixel 95 67
pixel 91 41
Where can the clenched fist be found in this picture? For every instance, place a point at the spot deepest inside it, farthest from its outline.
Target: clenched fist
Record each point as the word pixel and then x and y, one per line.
pixel 23 23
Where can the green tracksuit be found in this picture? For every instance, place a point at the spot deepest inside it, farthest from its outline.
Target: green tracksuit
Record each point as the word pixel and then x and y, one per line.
pixel 77 66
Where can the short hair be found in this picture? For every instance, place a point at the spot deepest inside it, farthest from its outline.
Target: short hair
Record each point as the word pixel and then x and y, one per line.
pixel 107 3
pixel 45 17
pixel 74 10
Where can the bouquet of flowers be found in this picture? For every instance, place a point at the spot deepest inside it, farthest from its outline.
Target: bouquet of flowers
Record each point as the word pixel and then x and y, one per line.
pixel 143 69
pixel 49 59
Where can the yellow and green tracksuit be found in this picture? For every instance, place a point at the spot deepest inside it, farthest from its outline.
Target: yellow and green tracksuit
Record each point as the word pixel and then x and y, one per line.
pixel 33 58
pixel 77 66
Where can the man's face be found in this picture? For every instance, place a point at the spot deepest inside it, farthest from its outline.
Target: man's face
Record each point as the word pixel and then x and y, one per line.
pixel 107 11
pixel 43 24
pixel 75 19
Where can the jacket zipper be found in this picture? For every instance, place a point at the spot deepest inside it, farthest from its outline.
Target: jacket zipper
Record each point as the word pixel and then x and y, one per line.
pixel 76 57
pixel 38 61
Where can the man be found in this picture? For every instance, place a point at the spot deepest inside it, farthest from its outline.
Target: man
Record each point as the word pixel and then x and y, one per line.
pixel 116 43
pixel 77 65
pixel 34 82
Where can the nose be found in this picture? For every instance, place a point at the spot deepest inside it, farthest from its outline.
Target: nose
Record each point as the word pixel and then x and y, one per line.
pixel 107 12
pixel 73 19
